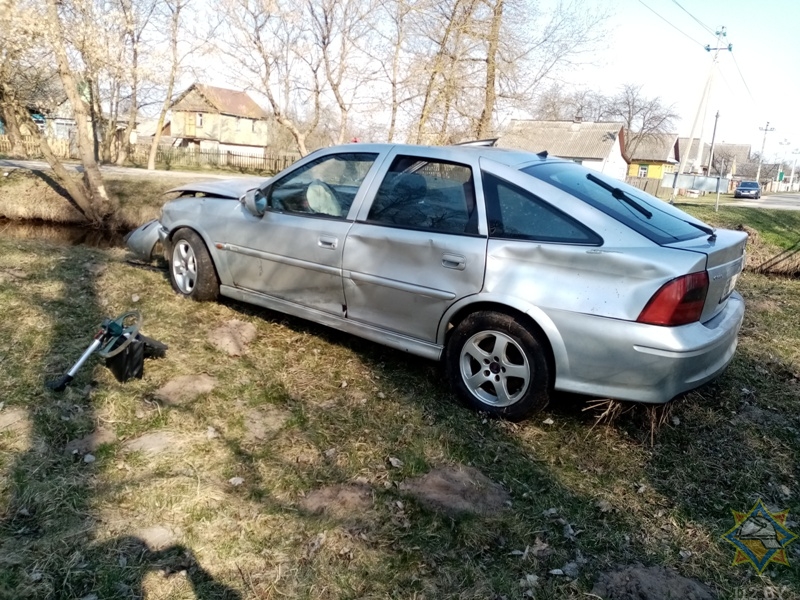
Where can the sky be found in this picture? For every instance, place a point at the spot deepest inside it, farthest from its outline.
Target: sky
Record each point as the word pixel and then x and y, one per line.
pixel 756 83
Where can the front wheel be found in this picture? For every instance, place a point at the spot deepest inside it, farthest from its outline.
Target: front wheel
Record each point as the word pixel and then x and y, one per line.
pixel 191 270
pixel 498 366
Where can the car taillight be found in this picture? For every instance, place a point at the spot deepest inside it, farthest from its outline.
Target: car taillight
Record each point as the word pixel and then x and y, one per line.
pixel 678 302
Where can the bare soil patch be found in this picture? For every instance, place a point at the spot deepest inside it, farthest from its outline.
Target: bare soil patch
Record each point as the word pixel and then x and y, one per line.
pixel 158 537
pixel 649 583
pixel 152 443
pixel 15 421
pixel 457 491
pixel 760 416
pixel 232 337
pixel 340 501
pixel 186 388
pixel 261 423
pixel 91 442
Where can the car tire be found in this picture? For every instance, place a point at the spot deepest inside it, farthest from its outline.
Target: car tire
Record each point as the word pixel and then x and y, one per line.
pixel 191 270
pixel 498 366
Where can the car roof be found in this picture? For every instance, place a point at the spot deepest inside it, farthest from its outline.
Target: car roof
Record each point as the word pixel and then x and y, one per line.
pixel 506 156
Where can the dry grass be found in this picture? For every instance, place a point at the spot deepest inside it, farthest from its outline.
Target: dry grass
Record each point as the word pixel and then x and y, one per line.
pixel 306 408
pixel 33 195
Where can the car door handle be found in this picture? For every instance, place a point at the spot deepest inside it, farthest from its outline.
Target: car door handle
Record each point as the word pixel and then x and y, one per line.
pixel 454 261
pixel 328 242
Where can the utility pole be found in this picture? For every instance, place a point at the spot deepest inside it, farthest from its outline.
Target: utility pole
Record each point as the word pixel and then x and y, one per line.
pixel 796 151
pixel 711 152
pixel 766 129
pixel 781 173
pixel 701 110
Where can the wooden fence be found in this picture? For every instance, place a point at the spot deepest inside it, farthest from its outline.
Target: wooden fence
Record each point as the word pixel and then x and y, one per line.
pixel 31 144
pixel 649 185
pixel 168 157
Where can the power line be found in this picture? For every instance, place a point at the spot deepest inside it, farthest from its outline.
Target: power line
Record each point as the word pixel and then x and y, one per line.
pixel 742 76
pixel 698 21
pixel 670 24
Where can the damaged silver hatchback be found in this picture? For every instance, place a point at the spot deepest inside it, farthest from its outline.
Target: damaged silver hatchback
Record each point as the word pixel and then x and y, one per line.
pixel 524 273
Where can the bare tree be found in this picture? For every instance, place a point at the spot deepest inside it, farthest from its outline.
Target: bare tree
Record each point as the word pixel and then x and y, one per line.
pixel 447 27
pixel 275 49
pixel 136 19
pixel 173 11
pixel 641 116
pixel 556 103
pixel 18 40
pixel 93 200
pixel 336 27
pixel 391 33
pixel 492 58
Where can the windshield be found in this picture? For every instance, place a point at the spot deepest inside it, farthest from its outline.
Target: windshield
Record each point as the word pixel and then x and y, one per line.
pixel 645 214
pixel 748 184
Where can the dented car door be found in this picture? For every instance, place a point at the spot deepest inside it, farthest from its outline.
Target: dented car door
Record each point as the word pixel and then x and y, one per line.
pixel 416 248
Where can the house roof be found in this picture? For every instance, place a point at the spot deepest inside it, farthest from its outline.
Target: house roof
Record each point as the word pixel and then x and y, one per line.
pixel 656 147
pixel 740 151
pixel 221 100
pixel 568 139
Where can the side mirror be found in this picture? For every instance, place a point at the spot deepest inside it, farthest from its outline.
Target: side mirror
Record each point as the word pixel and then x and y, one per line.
pixel 255 201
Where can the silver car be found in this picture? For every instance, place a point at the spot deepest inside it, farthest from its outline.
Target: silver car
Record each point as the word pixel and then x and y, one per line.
pixel 523 273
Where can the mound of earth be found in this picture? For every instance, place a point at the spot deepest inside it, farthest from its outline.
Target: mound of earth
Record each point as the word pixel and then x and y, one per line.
pixel 233 337
pixel 185 389
pixel 649 583
pixel 456 491
pixel 339 501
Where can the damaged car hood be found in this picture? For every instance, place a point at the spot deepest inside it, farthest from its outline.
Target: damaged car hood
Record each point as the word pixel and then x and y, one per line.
pixel 221 188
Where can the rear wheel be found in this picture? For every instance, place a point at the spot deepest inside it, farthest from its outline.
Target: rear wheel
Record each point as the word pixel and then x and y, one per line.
pixel 191 270
pixel 497 365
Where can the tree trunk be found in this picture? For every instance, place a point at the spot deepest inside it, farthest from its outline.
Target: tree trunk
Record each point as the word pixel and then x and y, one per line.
pixel 101 205
pixel 8 99
pixel 80 195
pixel 175 22
pixel 125 143
pixel 13 130
pixel 490 93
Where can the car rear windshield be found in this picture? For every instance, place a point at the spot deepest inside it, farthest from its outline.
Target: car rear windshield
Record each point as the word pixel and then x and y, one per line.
pixel 645 214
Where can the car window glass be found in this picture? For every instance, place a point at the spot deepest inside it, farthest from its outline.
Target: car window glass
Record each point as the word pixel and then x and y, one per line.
pixel 515 213
pixel 645 214
pixel 434 195
pixel 326 186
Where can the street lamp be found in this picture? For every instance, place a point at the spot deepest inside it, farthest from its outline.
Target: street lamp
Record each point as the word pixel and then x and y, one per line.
pixel 785 143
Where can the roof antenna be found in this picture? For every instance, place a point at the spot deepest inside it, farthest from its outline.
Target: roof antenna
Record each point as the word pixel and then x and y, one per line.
pixel 543 154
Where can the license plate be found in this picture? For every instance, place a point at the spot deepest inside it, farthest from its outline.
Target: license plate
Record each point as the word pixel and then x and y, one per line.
pixel 729 287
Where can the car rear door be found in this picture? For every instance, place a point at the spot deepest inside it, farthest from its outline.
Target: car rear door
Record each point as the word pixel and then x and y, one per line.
pixel 414 248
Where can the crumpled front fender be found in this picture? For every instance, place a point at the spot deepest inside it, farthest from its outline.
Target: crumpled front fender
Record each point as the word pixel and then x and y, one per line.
pixel 142 241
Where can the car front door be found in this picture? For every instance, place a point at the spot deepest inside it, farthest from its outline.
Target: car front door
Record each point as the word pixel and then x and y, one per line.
pixel 416 248
pixel 294 251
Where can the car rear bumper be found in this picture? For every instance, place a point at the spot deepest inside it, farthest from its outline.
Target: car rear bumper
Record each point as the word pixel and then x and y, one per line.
pixel 645 363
